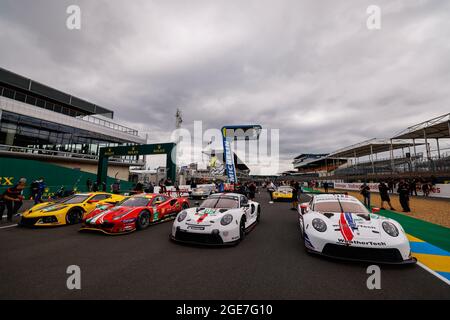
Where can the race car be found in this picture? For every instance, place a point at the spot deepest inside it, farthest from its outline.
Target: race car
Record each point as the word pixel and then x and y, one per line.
pixel 282 193
pixel 340 226
pixel 222 219
pixel 66 211
pixel 201 192
pixel 135 213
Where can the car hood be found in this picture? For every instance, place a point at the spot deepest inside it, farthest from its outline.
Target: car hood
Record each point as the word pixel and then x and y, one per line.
pixel 45 208
pixel 358 226
pixel 205 215
pixel 113 214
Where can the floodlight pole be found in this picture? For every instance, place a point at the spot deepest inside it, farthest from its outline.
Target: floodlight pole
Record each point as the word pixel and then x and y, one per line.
pixel 427 147
pixel 371 158
pixel 438 148
pixel 392 156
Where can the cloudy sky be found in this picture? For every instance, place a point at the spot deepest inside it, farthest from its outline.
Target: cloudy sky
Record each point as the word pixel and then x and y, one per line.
pixel 309 68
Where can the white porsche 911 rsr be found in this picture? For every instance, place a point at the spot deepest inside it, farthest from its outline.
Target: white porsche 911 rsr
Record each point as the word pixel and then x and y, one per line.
pixel 222 219
pixel 340 226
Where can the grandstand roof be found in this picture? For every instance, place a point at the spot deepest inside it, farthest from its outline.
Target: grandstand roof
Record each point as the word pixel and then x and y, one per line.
pixel 436 128
pixel 31 87
pixel 369 147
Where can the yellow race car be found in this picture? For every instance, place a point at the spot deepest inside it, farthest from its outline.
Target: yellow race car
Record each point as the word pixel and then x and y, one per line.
pixel 282 193
pixel 67 211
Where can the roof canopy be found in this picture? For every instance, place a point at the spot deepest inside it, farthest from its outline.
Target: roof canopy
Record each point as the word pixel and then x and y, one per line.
pixel 369 147
pixel 436 128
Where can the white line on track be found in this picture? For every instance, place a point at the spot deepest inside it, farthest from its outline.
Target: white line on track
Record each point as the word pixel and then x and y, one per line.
pixel 6 227
pixel 434 273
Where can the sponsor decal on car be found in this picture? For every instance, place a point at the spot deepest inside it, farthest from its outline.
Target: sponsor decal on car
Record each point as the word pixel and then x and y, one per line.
pixel 361 243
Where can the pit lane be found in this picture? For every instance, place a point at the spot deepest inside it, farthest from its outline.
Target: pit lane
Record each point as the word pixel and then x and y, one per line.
pixel 270 264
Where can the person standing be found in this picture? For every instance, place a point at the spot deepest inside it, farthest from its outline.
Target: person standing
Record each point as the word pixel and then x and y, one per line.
pixel 295 187
pixel 426 189
pixel 391 185
pixel 13 198
pixel 252 190
pixel 325 186
pixel 2 206
pixel 403 194
pixel 365 192
pixel 89 184
pixel 116 187
pixel 177 189
pixel 34 187
pixel 40 190
pixel 271 189
pixel 413 187
pixel 384 195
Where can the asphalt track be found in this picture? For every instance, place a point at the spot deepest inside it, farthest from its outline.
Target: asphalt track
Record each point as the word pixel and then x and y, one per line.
pixel 269 264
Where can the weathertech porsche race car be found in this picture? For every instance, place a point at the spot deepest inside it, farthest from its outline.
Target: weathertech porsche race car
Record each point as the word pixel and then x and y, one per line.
pixel 67 211
pixel 282 193
pixel 340 226
pixel 222 219
pixel 135 213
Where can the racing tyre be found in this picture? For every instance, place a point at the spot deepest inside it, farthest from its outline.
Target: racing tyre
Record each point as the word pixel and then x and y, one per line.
pixel 242 229
pixel 74 216
pixel 143 220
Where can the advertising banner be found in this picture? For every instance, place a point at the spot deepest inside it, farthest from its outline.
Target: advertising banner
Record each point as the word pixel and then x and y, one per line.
pixel 438 191
pixel 229 161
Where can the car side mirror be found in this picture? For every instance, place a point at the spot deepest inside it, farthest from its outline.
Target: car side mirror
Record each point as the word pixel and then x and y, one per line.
pixel 93 201
pixel 376 210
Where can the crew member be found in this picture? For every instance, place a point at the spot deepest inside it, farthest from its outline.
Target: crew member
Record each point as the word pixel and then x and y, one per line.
pixel 403 194
pixel 384 195
pixel 365 191
pixel 13 198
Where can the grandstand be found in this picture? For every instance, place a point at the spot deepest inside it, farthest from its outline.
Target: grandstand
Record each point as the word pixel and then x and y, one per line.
pixel 367 160
pixel 49 133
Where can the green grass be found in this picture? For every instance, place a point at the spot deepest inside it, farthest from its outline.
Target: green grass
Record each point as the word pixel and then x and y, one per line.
pixel 429 232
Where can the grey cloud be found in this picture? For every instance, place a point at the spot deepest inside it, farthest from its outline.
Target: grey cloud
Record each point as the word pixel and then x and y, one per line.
pixel 309 68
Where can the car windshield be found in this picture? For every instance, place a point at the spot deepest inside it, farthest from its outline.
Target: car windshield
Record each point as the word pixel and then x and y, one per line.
pixel 135 202
pixel 285 189
pixel 221 202
pixel 333 206
pixel 76 199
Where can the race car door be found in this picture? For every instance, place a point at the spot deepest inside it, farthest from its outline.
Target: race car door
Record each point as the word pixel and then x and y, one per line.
pixel 249 209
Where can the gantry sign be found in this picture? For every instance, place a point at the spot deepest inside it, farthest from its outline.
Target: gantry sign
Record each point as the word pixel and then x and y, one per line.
pixel 137 150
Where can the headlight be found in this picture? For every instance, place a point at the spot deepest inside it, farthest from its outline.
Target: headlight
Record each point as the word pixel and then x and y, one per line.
pixel 390 228
pixel 226 219
pixel 182 216
pixel 319 225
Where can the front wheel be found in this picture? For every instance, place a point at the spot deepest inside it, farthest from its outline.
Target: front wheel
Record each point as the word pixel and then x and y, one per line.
pixel 242 229
pixel 143 220
pixel 73 216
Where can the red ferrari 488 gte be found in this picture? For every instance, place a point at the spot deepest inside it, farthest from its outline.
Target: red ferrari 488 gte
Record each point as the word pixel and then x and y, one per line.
pixel 134 213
